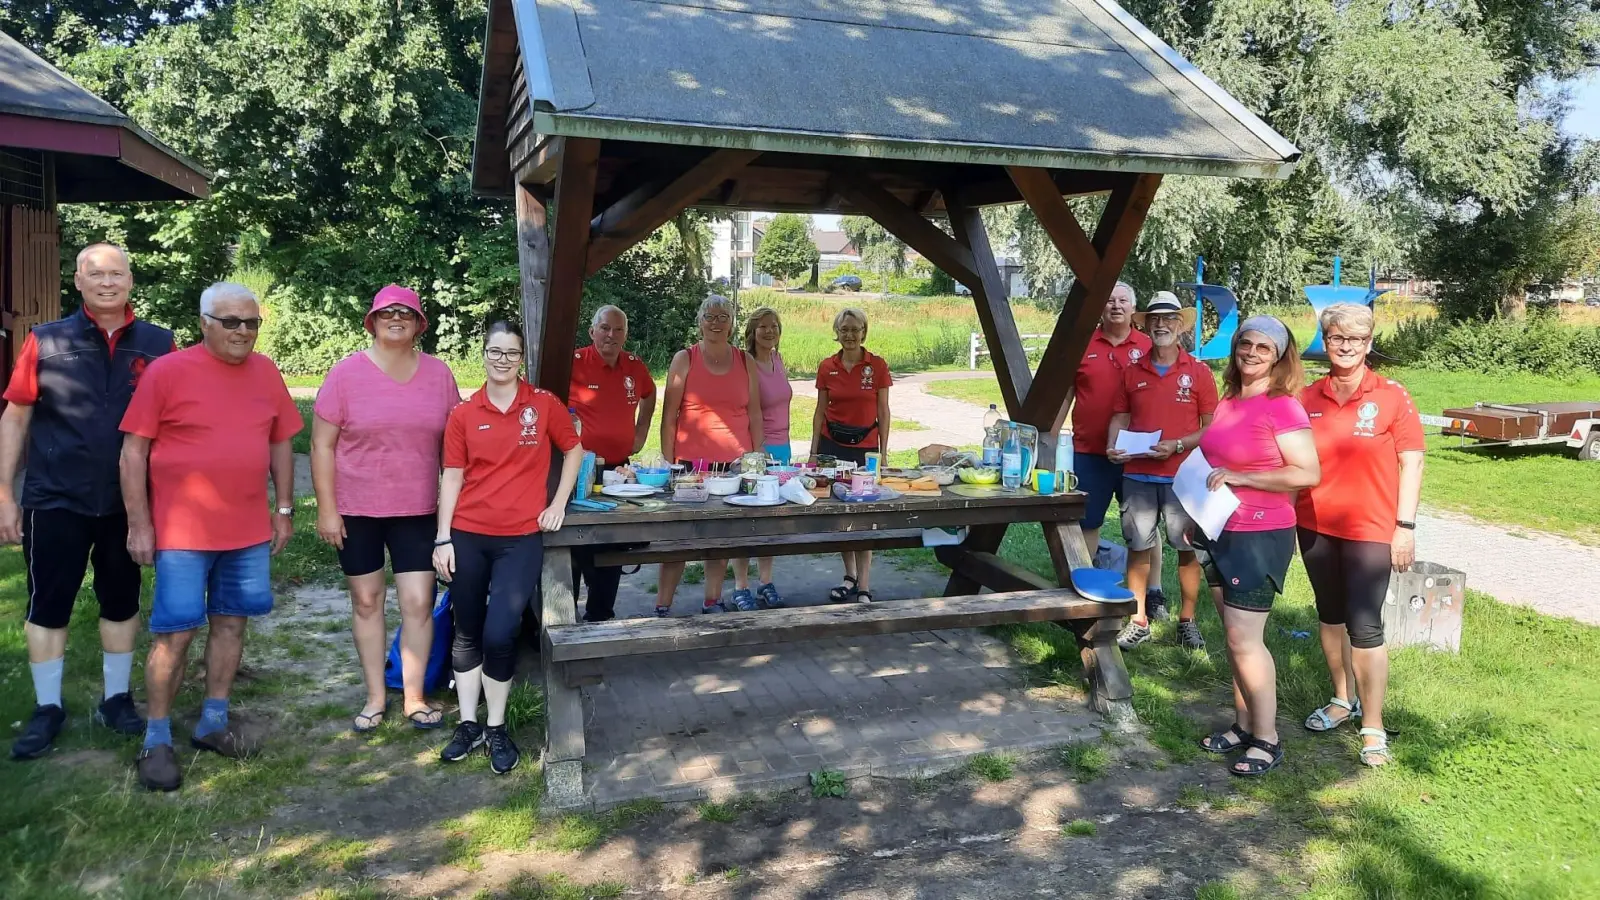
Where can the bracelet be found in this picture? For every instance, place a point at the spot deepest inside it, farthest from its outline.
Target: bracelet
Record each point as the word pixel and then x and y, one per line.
pixel 444 542
pixel 1402 523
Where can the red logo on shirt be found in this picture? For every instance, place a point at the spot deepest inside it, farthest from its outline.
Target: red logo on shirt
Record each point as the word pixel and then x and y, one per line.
pixel 530 427
pixel 136 370
pixel 627 385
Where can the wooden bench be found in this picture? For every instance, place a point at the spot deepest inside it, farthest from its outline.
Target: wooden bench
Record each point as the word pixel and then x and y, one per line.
pixel 781 545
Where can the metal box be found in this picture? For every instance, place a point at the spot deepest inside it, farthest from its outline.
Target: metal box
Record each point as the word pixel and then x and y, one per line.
pixel 1423 607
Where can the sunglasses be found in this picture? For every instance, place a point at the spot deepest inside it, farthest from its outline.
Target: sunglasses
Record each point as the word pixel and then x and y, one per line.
pixel 233 323
pixel 397 312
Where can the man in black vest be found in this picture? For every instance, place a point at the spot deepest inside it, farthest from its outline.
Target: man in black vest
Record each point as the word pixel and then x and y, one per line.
pixel 71 386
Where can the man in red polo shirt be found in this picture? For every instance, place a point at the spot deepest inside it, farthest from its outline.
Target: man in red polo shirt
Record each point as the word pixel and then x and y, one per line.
pixel 1171 392
pixel 615 399
pixel 1113 347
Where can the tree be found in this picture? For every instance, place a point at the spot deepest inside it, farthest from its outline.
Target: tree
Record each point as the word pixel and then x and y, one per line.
pixel 786 250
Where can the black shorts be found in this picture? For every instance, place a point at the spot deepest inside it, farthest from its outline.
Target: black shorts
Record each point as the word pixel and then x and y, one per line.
pixel 57 547
pixel 829 446
pixel 1249 566
pixel 1350 580
pixel 409 539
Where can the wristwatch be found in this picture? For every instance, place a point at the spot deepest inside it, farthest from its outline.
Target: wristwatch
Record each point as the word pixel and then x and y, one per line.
pixel 285 510
pixel 1402 523
pixel 1180 445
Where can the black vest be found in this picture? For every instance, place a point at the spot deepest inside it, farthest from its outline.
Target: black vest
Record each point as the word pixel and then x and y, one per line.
pixel 74 440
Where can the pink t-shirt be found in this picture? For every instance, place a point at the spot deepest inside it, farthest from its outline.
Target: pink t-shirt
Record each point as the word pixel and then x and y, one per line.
pixel 1243 437
pixel 776 393
pixel 386 462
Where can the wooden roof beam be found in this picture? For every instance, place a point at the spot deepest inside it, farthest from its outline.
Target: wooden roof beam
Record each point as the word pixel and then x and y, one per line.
pixel 908 225
pixel 631 219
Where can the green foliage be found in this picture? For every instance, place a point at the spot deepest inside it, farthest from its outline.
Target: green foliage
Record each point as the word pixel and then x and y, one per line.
pixel 993 766
pixel 873 280
pixel 829 783
pixel 1539 345
pixel 1087 760
pixel 786 250
pixel 1079 828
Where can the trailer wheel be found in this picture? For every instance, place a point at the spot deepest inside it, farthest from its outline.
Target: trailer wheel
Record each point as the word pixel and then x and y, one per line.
pixel 1590 450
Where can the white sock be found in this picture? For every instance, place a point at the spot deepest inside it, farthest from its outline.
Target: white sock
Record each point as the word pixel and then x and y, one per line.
pixel 47 681
pixel 117 668
pixel 495 694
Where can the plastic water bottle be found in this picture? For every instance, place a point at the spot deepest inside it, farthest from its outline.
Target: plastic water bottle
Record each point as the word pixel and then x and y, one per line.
pixel 577 423
pixel 1011 460
pixel 991 438
pixel 1063 458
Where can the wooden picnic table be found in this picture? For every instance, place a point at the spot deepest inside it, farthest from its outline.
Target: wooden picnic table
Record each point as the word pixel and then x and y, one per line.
pixel 573 653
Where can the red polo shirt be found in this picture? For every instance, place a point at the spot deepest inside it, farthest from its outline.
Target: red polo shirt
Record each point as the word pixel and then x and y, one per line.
pixel 1095 390
pixel 1172 404
pixel 853 393
pixel 1359 444
pixel 607 401
pixel 506 458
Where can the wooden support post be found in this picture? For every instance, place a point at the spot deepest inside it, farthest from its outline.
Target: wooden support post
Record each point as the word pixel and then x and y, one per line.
pixel 533 260
pixel 991 298
pixel 564 745
pixel 550 360
pixel 1125 212
pixel 907 224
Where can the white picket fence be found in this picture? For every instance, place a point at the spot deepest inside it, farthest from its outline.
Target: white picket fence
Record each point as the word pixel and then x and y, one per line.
pixel 977 346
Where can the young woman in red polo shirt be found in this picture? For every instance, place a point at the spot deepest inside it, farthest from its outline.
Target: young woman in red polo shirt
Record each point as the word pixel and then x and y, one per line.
pixel 1358 524
pixel 852 420
pixel 497 451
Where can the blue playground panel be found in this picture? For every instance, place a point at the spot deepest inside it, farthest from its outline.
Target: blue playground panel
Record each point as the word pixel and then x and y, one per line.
pixel 1227 306
pixel 1323 296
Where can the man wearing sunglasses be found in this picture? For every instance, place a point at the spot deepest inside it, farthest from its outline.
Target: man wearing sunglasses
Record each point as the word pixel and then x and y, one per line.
pixel 71 384
pixel 204 429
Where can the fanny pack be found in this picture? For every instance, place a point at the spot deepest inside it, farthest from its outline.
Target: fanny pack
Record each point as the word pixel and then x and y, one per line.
pixel 849 434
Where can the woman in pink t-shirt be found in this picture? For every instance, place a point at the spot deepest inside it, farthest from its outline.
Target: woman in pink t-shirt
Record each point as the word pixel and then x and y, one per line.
pixel 762 332
pixel 1260 445
pixel 375 444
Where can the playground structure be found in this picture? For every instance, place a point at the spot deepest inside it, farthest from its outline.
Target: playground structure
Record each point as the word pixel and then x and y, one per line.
pixel 1323 296
pixel 1227 306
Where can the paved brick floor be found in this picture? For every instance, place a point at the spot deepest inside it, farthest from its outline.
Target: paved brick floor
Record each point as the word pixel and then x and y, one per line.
pixel 713 723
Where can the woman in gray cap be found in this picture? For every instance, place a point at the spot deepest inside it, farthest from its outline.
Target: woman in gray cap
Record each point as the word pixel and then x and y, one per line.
pixel 1259 445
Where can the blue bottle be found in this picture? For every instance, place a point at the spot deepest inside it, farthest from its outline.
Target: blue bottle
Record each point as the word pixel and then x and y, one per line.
pixel 1011 460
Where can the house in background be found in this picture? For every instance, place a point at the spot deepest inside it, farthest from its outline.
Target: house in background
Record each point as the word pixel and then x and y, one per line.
pixel 836 250
pixel 61 144
pixel 734 243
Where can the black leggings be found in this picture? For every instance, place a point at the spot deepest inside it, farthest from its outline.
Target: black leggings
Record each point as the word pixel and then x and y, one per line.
pixel 495 580
pixel 1349 579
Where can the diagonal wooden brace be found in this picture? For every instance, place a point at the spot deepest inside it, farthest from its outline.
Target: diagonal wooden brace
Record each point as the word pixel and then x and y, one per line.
pixel 631 219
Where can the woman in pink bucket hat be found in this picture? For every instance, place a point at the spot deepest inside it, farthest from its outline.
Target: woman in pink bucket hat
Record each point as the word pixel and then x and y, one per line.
pixel 375 445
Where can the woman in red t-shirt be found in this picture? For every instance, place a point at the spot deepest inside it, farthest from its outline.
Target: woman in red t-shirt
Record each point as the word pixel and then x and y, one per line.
pixel 497 451
pixel 710 415
pixel 1358 524
pixel 852 420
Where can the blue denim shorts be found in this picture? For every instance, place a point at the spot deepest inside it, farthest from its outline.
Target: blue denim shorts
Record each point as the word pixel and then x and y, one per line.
pixel 779 452
pixel 1101 479
pixel 192 584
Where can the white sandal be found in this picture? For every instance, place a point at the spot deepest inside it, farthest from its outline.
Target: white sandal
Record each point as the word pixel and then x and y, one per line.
pixel 1379 749
pixel 1319 720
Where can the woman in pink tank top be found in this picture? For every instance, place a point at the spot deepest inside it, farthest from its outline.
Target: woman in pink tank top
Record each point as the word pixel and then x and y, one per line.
pixel 711 413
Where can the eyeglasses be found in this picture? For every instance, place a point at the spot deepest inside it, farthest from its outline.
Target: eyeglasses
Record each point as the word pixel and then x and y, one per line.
pixel 1152 318
pixel 722 319
pixel 397 312
pixel 1346 340
pixel 233 323
pixel 495 354
pixel 851 331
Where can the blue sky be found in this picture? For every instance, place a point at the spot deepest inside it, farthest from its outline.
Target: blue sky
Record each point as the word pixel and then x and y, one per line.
pixel 1584 119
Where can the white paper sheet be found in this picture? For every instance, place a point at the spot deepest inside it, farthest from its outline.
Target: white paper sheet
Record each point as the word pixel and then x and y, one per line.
pixel 1137 443
pixel 1209 509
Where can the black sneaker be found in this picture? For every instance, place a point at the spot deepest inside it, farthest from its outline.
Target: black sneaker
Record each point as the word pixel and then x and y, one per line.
pixel 503 752
pixel 1155 606
pixel 467 738
pixel 40 735
pixel 120 715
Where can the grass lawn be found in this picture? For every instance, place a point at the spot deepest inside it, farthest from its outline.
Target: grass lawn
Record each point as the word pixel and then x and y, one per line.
pixel 1542 488
pixel 1497 757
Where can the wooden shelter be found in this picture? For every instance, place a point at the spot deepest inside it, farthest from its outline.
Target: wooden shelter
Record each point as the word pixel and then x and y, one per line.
pixel 61 144
pixel 603 119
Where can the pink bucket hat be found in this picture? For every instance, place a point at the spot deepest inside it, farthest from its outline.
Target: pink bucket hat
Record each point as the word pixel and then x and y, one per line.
pixel 395 295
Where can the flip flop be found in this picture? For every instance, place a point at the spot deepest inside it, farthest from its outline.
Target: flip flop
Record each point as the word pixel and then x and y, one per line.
pixel 372 721
pixel 420 721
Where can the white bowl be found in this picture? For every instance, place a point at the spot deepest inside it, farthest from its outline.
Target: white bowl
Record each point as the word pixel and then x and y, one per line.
pixel 722 485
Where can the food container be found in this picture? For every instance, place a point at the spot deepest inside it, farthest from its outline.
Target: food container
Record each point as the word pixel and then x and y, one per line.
pixel 979 475
pixel 722 485
pixel 753 463
pixel 653 477
pixel 944 475
pixel 612 476
pixel 784 473
pixel 691 492
pixel 863 482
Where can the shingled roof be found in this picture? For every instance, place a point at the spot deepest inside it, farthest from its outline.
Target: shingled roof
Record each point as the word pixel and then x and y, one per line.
pixel 1061 84
pixel 102 154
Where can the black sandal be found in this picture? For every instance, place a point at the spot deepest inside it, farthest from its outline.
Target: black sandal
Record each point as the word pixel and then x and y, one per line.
pixel 1218 742
pixel 1255 768
pixel 844 593
pixel 863 596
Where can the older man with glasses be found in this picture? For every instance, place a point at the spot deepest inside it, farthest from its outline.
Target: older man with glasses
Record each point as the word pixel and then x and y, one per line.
pixel 203 431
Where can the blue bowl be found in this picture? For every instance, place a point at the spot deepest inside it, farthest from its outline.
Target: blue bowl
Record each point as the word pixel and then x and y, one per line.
pixel 653 477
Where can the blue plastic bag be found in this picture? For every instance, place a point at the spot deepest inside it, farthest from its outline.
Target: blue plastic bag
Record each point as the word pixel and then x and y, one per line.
pixel 437 673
